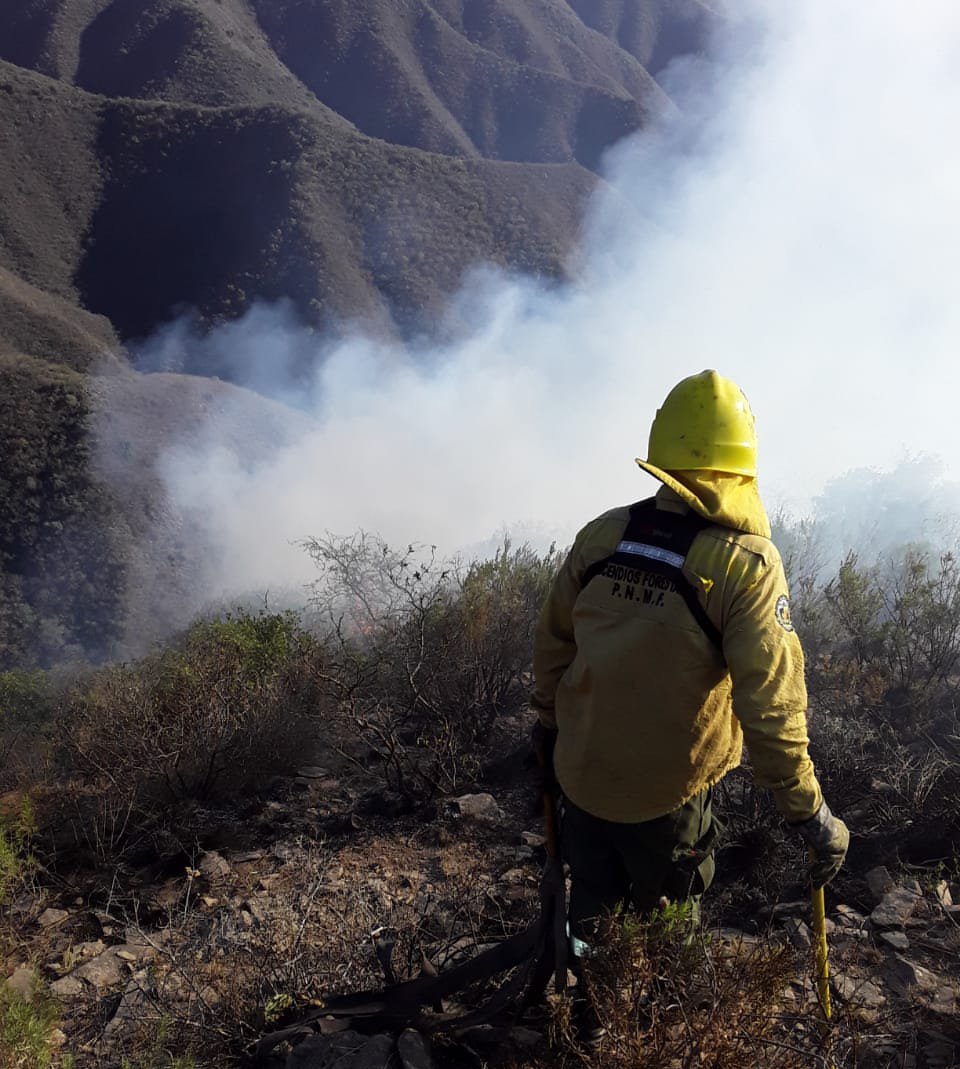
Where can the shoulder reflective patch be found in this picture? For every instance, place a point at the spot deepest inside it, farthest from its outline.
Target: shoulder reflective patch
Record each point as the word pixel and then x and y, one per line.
pixel 641 549
pixel 782 613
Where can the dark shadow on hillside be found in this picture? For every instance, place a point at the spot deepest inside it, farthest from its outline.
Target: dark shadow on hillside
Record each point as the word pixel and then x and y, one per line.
pixel 120 57
pixel 196 211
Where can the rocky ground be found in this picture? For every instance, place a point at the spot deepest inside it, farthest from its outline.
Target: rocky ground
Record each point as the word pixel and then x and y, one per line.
pixel 279 902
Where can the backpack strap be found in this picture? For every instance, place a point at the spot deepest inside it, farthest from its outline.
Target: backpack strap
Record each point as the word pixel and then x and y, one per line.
pixel 656 540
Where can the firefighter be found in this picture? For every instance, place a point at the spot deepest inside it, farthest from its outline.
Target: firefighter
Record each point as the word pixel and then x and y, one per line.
pixel 664 643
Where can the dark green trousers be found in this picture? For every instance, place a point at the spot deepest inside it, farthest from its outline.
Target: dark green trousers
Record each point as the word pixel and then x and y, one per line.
pixel 614 865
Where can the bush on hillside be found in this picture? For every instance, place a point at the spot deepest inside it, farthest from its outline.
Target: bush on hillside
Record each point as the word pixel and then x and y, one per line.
pixel 423 655
pixel 28 704
pixel 211 716
pixel 63 549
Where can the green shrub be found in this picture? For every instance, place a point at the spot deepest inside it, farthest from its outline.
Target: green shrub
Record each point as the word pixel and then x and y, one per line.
pixel 27 699
pixel 226 706
pixel 26 1029
pixel 16 862
pixel 28 705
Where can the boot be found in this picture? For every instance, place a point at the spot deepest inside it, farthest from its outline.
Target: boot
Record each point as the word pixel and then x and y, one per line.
pixel 588 1027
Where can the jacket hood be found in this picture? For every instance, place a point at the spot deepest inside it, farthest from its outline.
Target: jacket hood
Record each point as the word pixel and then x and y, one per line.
pixel 727 500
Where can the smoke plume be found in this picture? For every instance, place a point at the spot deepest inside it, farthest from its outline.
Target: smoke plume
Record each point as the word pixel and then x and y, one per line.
pixel 796 226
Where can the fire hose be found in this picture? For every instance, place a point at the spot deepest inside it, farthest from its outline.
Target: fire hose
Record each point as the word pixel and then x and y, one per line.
pixel 532 955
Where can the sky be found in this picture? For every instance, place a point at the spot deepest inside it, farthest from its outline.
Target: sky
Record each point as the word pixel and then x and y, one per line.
pixel 796 227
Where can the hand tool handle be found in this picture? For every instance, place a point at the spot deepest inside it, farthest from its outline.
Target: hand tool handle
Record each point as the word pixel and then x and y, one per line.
pixel 820 948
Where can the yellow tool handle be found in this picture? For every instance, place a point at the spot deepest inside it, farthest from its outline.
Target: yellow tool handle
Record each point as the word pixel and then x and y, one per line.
pixel 820 950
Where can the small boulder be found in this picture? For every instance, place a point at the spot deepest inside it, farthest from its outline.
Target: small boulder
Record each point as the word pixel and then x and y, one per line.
pixel 67 987
pixel 312 772
pixel 525 1038
pixel 49 918
pixel 23 981
pixel 376 1053
pixel 214 866
pixel 908 978
pixel 105 970
pixel 895 939
pixel 848 917
pixel 858 992
pixel 480 807
pixel 778 910
pixel 326 1051
pixel 895 909
pixel 798 933
pixel 880 882
pixel 413 1050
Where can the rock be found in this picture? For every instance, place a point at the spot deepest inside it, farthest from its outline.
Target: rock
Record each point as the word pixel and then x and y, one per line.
pixel 479 807
pixel 907 978
pixel 136 938
pixel 326 1051
pixel 376 1053
pixel 67 987
pixel 23 981
pixel 51 917
pixel 105 970
pixel 533 839
pixel 256 910
pixel 848 917
pixel 895 908
pixel 736 937
pixel 413 1050
pixel 798 933
pixel 247 856
pixel 133 1004
pixel 778 910
pixel 523 854
pixel 513 876
pixel 944 1001
pixel 880 882
pixel 312 772
pixel 857 992
pixel 80 953
pixel 897 940
pixel 214 866
pixel 525 1038
pixel 942 891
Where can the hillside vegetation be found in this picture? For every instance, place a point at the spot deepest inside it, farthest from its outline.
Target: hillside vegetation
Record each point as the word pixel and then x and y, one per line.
pixel 195 845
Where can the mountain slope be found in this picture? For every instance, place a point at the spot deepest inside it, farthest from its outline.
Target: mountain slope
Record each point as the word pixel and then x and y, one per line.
pixel 356 157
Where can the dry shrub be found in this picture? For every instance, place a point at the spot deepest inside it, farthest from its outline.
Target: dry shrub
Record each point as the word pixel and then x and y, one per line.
pixel 669 999
pixel 214 716
pixel 210 716
pixel 424 655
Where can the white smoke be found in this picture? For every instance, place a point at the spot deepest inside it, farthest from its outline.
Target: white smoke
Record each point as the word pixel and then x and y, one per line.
pixel 797 228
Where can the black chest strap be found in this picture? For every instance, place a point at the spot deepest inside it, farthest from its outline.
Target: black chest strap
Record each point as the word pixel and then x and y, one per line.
pixel 658 541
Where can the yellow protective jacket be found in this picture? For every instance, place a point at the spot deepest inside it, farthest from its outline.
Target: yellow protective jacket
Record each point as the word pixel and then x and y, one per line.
pixel 649 713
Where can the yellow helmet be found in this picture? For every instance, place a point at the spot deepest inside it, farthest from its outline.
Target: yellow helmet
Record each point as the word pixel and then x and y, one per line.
pixel 705 424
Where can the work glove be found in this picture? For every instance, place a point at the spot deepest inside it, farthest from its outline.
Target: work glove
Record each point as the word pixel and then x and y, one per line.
pixel 828 838
pixel 543 741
